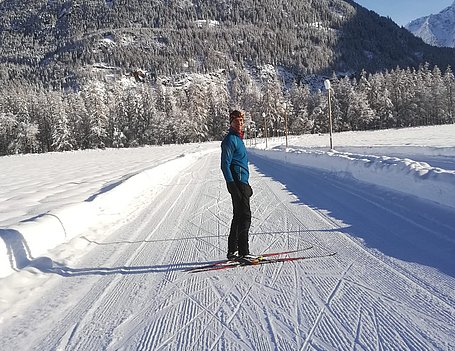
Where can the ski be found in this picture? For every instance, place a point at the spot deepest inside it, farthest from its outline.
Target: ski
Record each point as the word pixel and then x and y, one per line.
pixel 290 259
pixel 225 263
pixel 264 260
pixel 234 264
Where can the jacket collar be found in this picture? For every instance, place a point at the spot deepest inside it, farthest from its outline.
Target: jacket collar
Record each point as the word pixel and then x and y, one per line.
pixel 239 133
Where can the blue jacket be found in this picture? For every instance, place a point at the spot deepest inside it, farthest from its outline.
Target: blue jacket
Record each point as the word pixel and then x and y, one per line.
pixel 234 160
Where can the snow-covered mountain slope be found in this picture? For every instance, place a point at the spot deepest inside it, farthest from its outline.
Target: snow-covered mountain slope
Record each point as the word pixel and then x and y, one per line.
pixel 438 29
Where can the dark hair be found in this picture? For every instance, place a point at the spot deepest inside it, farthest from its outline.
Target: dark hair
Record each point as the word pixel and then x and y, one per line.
pixel 235 114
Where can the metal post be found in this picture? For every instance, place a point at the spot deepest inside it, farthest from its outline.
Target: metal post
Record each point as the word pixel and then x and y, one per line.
pixel 286 124
pixel 265 128
pixel 329 89
pixel 330 120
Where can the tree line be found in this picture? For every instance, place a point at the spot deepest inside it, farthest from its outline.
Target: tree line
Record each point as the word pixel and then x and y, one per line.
pixel 194 108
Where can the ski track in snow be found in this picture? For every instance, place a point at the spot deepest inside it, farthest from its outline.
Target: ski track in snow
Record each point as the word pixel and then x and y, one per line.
pixel 130 292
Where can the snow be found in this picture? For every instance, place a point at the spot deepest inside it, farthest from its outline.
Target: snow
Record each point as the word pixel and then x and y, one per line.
pixel 94 245
pixel 400 174
pixel 89 191
pixel 436 29
pixel 210 23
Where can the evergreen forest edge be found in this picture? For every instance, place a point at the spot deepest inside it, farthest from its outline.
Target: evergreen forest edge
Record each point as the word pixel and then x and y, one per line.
pixel 142 113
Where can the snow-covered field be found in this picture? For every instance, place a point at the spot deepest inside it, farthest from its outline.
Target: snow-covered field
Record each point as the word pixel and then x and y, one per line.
pixel 94 244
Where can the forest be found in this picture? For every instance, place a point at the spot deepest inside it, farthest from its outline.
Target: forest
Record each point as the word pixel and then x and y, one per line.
pixel 54 43
pixel 67 71
pixel 141 113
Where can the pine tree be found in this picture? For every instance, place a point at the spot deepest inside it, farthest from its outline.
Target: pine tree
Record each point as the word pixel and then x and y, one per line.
pixel 8 132
pixel 76 116
pixel 379 99
pixel 217 111
pixel 344 97
pixel 363 116
pixel 25 138
pixel 449 82
pixel 97 119
pixel 298 121
pixel 437 92
pixel 62 137
pixel 196 122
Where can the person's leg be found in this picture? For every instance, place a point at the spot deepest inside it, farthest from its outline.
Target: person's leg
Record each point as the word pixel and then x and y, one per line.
pixel 233 233
pixel 244 221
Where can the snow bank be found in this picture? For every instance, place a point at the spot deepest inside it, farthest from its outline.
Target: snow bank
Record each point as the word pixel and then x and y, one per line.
pixel 400 150
pixel 21 243
pixel 404 175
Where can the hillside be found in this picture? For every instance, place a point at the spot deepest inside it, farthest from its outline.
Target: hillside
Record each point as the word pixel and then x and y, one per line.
pixel 63 42
pixel 438 29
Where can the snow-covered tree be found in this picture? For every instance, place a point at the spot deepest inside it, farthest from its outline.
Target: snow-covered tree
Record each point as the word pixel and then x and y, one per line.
pixel 62 135
pixel 297 110
pixel 217 114
pixel 8 131
pixel 380 102
pixel 449 98
pixel 25 138
pixel 97 118
pixel 344 97
pixel 77 119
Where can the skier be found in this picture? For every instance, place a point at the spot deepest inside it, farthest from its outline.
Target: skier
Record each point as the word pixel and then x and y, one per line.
pixel 234 165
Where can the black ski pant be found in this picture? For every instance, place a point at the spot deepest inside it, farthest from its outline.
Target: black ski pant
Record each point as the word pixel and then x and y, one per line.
pixel 241 220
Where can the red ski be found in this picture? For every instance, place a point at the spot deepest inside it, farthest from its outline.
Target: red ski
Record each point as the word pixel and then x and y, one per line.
pixel 234 262
pixel 263 259
pixel 225 263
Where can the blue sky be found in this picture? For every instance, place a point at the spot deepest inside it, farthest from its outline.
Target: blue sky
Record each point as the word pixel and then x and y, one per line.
pixel 404 11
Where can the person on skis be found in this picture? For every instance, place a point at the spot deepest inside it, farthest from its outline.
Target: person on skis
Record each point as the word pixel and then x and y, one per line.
pixel 234 165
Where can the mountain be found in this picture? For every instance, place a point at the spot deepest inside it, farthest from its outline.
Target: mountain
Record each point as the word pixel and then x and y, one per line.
pixel 61 43
pixel 437 30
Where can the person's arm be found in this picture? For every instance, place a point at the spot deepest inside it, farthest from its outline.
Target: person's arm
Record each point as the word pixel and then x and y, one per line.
pixel 227 152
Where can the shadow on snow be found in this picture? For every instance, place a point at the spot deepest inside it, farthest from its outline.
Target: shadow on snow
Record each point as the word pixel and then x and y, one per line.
pixel 396 224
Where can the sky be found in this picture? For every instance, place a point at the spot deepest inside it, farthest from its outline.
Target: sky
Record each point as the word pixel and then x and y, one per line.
pixel 404 11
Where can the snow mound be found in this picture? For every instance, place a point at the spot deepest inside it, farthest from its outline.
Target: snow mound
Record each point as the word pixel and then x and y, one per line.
pixel 25 241
pixel 404 175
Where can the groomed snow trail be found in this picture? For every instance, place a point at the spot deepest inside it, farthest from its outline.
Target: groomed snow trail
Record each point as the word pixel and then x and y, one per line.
pixel 389 287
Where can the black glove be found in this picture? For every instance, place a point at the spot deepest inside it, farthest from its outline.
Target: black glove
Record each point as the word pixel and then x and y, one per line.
pixel 250 190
